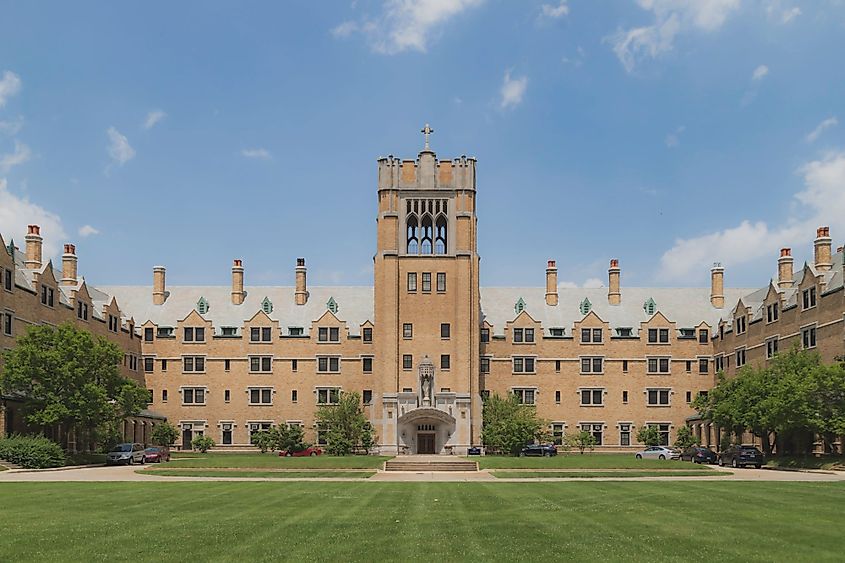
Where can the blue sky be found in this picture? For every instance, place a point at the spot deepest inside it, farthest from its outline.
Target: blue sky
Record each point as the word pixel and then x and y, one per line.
pixel 666 133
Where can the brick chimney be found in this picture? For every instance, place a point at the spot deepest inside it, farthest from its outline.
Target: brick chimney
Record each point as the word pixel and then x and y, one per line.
pixel 237 282
pixel 614 293
pixel 159 293
pixel 33 247
pixel 301 294
pixel 551 284
pixel 822 249
pixel 717 285
pixel 69 260
pixel 785 268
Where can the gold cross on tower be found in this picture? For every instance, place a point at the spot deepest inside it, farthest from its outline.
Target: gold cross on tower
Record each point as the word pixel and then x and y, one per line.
pixel 426 131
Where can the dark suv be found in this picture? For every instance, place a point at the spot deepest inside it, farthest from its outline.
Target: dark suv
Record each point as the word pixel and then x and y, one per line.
pixel 741 456
pixel 541 450
pixel 698 454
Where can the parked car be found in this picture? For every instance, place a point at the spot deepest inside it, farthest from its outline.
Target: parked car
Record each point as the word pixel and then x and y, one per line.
pixel 658 452
pixel 699 454
pixel 125 454
pixel 741 456
pixel 309 451
pixel 540 450
pixel 156 455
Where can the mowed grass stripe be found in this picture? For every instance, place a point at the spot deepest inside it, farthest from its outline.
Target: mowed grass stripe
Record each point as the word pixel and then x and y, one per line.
pixel 261 521
pixel 586 461
pixel 272 460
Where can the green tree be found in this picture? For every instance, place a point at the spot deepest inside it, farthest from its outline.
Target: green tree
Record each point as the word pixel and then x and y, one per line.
pixel 345 425
pixel 648 435
pixel 288 438
pixel 581 441
pixel 202 443
pixel 70 379
pixel 685 438
pixel 164 434
pixel 507 425
pixel 263 439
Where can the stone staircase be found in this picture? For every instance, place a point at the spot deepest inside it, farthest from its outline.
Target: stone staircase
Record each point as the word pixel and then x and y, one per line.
pixel 429 464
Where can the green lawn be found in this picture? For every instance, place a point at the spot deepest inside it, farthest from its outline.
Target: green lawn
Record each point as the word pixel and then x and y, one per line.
pixel 825 462
pixel 272 460
pixel 307 474
pixel 586 461
pixel 624 473
pixel 367 521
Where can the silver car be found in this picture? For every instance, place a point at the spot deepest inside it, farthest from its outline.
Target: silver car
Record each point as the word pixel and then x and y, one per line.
pixel 125 454
pixel 658 452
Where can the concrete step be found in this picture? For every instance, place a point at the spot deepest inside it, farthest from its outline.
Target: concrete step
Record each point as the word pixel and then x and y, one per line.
pixel 430 466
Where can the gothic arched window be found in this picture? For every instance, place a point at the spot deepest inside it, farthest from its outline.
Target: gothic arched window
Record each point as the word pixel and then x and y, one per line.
pixel 440 235
pixel 425 242
pixel 413 233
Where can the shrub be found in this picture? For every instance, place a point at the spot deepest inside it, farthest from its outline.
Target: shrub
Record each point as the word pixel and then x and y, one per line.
pixel 648 435
pixel 264 440
pixel 164 434
pixel 32 452
pixel 202 443
pixel 581 441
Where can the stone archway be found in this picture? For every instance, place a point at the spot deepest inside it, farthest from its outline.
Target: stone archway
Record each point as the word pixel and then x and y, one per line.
pixel 426 430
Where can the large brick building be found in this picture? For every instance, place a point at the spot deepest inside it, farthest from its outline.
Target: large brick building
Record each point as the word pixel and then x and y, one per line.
pixel 425 343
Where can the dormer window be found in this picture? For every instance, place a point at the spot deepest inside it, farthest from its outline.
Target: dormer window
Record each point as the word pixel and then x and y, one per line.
pixel 48 295
pixel 82 310
pixel 260 334
pixel 7 279
pixel 267 306
pixel 808 298
pixel 202 306
pixel 519 307
pixel 164 332
pixel 650 307
pixel 772 312
pixel 687 333
pixel 229 331
pixel 331 305
pixel 591 335
pixel 624 332
pixel 557 332
pixel 296 331
pixel 658 335
pixel 741 325
pixel 328 334
pixel 585 306
pixel 194 334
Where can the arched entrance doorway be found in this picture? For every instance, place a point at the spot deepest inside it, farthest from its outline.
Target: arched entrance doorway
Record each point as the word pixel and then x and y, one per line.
pixel 426 430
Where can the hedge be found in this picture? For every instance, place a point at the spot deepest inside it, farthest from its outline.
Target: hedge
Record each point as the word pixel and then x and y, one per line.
pixel 31 452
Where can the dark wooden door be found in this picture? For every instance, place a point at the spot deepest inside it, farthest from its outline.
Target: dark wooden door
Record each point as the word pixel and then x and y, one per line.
pixel 425 443
pixel 187 435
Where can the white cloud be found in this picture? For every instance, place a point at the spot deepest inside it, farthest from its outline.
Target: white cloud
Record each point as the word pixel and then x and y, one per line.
pixel 152 118
pixel 18 212
pixel 20 155
pixel 87 231
pixel 789 15
pixel 821 202
pixel 589 283
pixel 554 12
pixel 10 85
pixel 11 127
pixel 779 14
pixel 673 139
pixel 759 73
pixel 259 153
pixel 671 17
pixel 513 90
pixel 120 151
pixel 404 25
pixel 820 128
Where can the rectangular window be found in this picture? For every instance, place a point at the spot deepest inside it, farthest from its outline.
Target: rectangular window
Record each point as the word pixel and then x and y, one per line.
pixel 148 334
pixel 624 434
pixel 227 396
pixel 412 281
pixel 328 396
pixel 703 365
pixel 809 298
pixel 426 281
pixel 625 397
pixel 658 365
pixel 662 433
pixel 703 336
pixel 525 396
pixel 367 396
pixel 194 334
pixel 7 280
pixel 558 431
pixel 407 361
pixel 808 337
pixel 557 366
pixel 193 396
pixel 227 365
pixel 485 365
pixel 772 312
pixel 596 430
pixel 293 396
pixel 523 364
pixel 592 365
pixel 658 397
pixel 741 325
pixel 367 365
pixel 624 366
pixel 260 334
pixel 740 357
pixel 164 365
pixel 529 335
pixel 485 335
pixel 334 334
pixel 82 310
pixel 164 395
pixel 445 361
pixel 689 396
pixel 328 364
pixel 8 320
pixel 367 334
pixel 592 397
pixel 556 332
pixel 407 330
pixel 296 331
pixel 260 396
pixel 193 364
pixel 441 281
pixel 771 347
pixel 47 295
pixel 323 334
pixel 658 335
pixel 148 364
pixel 557 397
pixel 719 362
pixel 261 364
pixel 591 335
pixel 689 365
pixel 165 332
pixel 445 330
pixel 294 365
pixel 517 335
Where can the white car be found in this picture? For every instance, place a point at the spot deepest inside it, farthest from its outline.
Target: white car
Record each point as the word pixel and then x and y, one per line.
pixel 658 452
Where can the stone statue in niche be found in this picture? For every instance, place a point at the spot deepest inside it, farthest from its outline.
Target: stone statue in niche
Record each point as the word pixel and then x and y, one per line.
pixel 426 381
